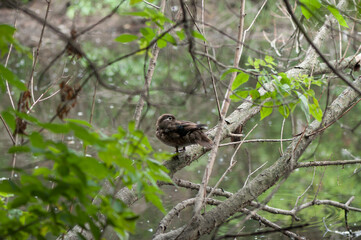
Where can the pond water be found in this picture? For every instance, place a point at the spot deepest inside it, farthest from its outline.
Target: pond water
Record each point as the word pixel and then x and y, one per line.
pixel 177 89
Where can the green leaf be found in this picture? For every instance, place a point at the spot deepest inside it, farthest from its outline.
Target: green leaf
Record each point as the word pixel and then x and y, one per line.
pixel 239 80
pixel 162 156
pixel 7 75
pixel 284 110
pixel 19 149
pixel 161 43
pixel 254 94
pixel 304 105
pixel 157 171
pixel 231 70
pixel 37 140
pixel 6 38
pixel 9 119
pixel 131 126
pixel 181 35
pixel 309 7
pixel 28 117
pixel 284 78
pixel 153 198
pixel 82 133
pixel 43 171
pixel 7 186
pixel 144 140
pixel 55 127
pixel 266 109
pixel 239 95
pixel 250 61
pixel 79 122
pixel 315 110
pixel 132 2
pixel 124 38
pixel 93 167
pixel 19 201
pixel 148 33
pixel 95 230
pixel 305 12
pixel 337 15
pixel 196 34
pixel 169 38
pixel 270 60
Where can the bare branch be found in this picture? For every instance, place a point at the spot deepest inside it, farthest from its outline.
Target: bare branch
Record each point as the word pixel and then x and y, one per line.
pixel 148 76
pixel 31 80
pixel 224 109
pixel 327 163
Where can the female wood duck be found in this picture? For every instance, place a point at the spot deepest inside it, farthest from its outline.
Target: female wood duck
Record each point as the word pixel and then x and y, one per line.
pixel 178 133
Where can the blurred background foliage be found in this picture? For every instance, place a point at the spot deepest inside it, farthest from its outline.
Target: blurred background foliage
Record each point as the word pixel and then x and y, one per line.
pixel 177 88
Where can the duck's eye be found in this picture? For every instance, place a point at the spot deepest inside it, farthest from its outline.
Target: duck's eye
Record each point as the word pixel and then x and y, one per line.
pixel 169 118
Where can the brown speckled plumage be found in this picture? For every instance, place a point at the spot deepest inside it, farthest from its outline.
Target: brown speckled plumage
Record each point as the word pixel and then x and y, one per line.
pixel 178 133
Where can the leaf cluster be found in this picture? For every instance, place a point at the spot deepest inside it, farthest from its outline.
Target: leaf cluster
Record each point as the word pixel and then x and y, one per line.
pixel 286 93
pixel 47 201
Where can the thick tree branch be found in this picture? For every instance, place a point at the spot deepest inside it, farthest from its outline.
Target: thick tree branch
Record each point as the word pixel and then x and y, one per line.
pixel 270 176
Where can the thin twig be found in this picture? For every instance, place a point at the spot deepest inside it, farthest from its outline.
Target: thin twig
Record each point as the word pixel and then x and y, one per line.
pixel 7 129
pixel 40 98
pixel 309 186
pixel 249 175
pixel 263 233
pixel 225 105
pixel 151 4
pixel 114 10
pixel 328 163
pixel 50 96
pixel 13 161
pixel 148 77
pixel 253 21
pixel 271 224
pixel 330 203
pixel 232 162
pixel 6 64
pixel 283 124
pixel 242 141
pixel 257 141
pixel 92 111
pixel 319 185
pixel 209 62
pixel 346 213
pixel 31 80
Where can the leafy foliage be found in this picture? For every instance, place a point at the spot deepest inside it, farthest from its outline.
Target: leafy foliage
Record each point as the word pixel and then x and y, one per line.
pixel 7 75
pixel 149 33
pixel 57 194
pixel 49 200
pixel 312 7
pixel 88 7
pixel 6 38
pixel 286 94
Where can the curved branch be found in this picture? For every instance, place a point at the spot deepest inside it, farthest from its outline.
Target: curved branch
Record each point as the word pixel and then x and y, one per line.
pixel 330 203
pixel 270 176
